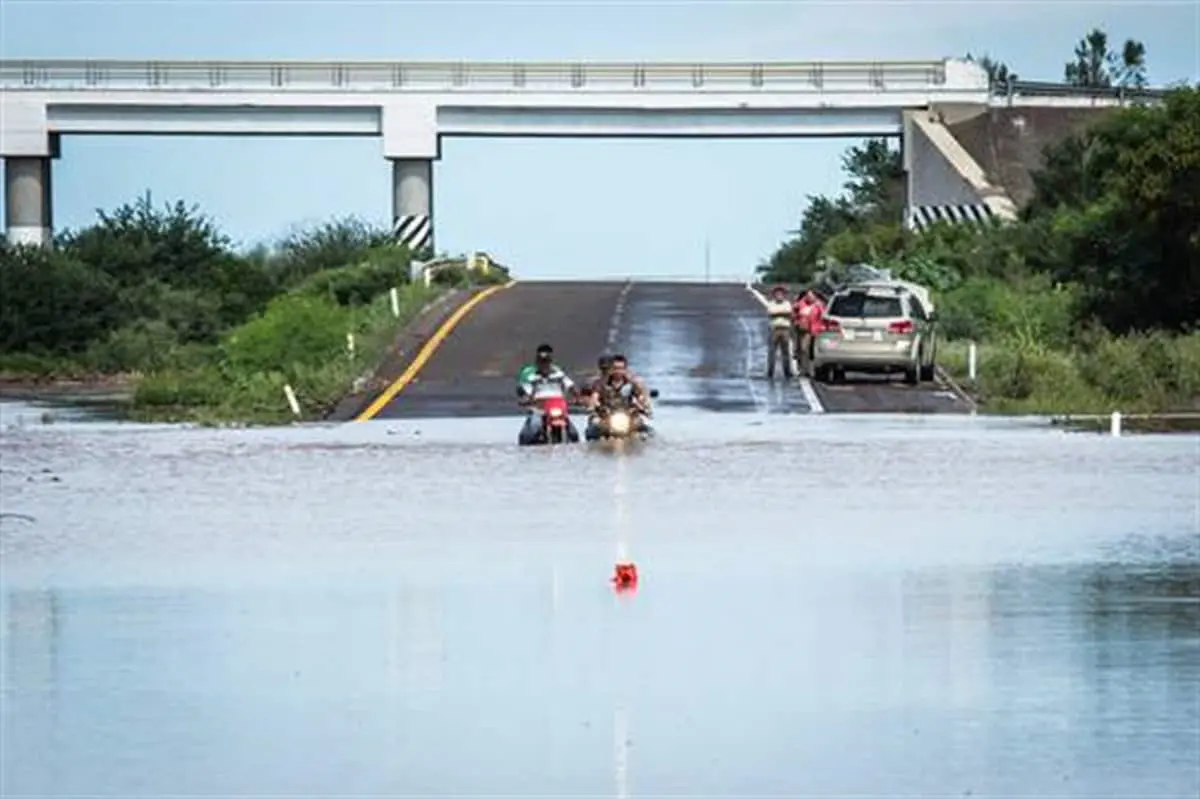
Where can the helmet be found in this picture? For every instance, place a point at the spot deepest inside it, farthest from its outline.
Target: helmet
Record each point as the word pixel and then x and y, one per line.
pixel 545 352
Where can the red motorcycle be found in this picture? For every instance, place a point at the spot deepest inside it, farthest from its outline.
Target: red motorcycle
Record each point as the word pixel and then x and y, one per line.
pixel 555 418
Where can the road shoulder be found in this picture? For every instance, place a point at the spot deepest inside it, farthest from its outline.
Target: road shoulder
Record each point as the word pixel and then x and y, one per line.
pixel 404 349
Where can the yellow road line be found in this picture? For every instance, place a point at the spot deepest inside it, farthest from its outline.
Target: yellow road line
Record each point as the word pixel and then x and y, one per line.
pixel 427 352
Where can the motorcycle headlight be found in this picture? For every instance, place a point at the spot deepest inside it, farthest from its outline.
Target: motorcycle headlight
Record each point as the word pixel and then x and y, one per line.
pixel 619 422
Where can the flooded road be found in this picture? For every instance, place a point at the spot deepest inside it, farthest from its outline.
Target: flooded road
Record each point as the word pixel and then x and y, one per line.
pixel 830 605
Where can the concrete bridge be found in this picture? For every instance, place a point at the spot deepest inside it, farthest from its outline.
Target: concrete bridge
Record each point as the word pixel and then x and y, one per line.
pixel 411 106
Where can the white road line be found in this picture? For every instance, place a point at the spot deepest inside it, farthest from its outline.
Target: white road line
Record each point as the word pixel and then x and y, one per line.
pixel 759 403
pixel 806 386
pixel 810 395
pixel 614 327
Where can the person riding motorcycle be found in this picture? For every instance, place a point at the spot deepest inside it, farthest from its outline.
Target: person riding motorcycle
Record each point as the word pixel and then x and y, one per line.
pixel 621 389
pixel 779 316
pixel 545 379
pixel 595 385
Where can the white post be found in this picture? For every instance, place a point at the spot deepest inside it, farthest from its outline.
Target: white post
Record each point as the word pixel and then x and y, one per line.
pixel 972 361
pixel 1114 425
pixel 350 344
pixel 396 301
pixel 291 399
pixel 428 277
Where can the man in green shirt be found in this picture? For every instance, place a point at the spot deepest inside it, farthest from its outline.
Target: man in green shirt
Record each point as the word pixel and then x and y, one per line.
pixel 543 378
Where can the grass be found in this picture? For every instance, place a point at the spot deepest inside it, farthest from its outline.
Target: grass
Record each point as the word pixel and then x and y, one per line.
pixel 298 340
pixel 1151 373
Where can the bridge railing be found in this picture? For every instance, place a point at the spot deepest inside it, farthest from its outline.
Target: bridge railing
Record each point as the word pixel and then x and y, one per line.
pixel 477 262
pixel 383 76
pixel 1025 88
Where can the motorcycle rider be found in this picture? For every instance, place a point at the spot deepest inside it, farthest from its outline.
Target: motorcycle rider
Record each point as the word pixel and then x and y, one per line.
pixel 594 387
pixel 545 379
pixel 779 316
pixel 621 388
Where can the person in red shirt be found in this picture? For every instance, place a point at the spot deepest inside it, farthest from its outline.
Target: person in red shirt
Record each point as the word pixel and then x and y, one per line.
pixel 807 311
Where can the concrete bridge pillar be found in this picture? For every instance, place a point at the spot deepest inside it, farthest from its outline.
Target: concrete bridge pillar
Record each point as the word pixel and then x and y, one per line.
pixel 412 203
pixel 943 182
pixel 28 201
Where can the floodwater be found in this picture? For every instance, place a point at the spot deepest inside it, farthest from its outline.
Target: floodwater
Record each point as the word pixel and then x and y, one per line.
pixel 931 606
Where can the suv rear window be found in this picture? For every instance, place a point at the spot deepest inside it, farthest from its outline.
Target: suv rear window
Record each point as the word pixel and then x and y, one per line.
pixel 866 306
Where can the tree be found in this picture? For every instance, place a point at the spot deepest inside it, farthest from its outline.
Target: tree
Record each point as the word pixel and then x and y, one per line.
pixel 853 225
pixel 873 195
pixel 796 259
pixel 876 181
pixel 52 302
pixel 1095 66
pixel 1127 216
pixel 1000 77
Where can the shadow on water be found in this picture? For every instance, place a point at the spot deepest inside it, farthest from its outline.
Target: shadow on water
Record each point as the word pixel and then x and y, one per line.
pixel 33 408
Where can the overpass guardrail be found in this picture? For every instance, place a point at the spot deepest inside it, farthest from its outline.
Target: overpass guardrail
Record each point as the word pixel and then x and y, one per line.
pixel 479 262
pixel 388 76
pixel 1025 88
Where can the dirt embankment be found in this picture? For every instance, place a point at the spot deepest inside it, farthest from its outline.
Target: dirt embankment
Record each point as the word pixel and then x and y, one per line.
pixel 1007 143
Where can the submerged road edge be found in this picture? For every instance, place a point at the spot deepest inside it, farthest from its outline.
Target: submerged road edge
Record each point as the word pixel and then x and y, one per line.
pixel 427 351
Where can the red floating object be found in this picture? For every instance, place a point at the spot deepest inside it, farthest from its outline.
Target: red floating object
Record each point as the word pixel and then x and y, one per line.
pixel 625 576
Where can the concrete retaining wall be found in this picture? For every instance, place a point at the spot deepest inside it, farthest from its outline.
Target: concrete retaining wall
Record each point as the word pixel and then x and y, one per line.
pixel 1007 142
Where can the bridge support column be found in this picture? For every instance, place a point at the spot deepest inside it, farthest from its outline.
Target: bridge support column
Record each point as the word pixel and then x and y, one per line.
pixel 28 213
pixel 412 204
pixel 943 182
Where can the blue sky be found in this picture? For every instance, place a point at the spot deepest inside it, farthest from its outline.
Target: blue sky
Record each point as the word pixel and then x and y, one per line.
pixel 548 207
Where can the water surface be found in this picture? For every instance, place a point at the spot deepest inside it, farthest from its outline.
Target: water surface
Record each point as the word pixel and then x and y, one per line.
pixel 829 606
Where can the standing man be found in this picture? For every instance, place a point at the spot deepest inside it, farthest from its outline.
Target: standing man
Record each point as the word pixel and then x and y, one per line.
pixel 806 315
pixel 779 317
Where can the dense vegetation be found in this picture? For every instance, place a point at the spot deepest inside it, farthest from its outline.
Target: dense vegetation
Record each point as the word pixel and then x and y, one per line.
pixel 160 295
pixel 1089 300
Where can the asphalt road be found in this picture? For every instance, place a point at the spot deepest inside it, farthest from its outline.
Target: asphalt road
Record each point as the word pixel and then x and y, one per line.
pixel 700 345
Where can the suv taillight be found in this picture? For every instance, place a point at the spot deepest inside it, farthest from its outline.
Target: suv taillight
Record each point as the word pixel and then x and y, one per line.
pixel 901 328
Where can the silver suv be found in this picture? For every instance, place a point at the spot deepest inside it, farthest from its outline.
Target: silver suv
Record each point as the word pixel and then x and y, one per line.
pixel 880 326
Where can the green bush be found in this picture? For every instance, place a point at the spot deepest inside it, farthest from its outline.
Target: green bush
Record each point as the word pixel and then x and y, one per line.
pixel 145 344
pixel 1097 374
pixel 358 285
pixel 332 245
pixel 137 289
pixel 51 302
pixel 295 331
pixel 1032 311
pixel 1156 366
pixel 299 340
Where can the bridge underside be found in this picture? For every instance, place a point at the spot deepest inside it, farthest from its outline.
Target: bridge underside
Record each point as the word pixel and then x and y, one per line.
pixel 963 162
pixel 484 121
